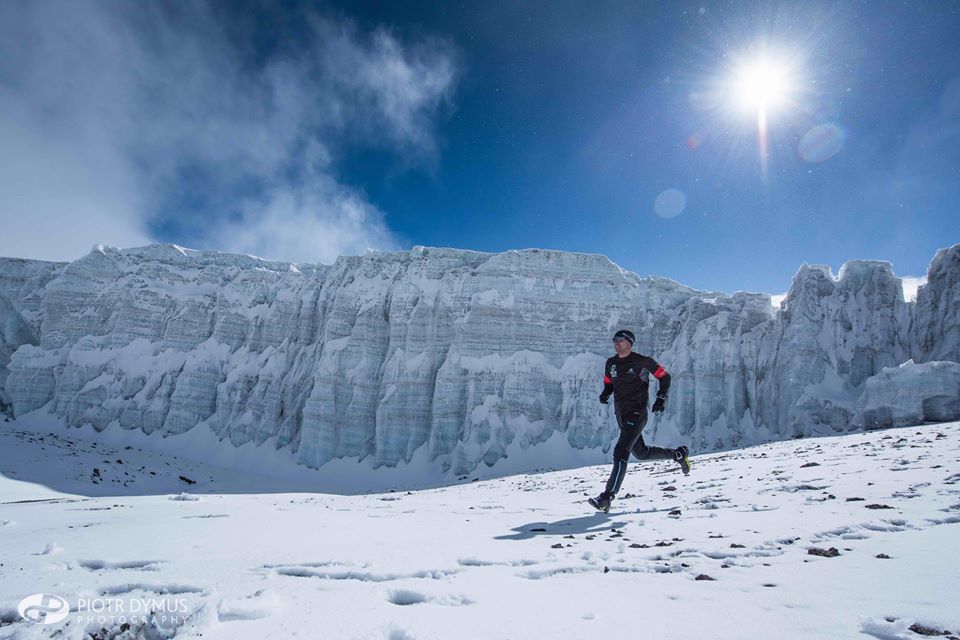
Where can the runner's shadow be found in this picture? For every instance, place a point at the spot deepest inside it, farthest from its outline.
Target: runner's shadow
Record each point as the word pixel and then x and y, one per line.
pixel 596 523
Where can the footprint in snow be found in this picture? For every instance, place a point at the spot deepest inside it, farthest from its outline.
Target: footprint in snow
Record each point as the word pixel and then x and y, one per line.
pixel 139 565
pixel 160 589
pixel 259 605
pixel 302 571
pixel 9 616
pixel 51 549
pixel 892 525
pixel 185 497
pixel 476 562
pixel 405 597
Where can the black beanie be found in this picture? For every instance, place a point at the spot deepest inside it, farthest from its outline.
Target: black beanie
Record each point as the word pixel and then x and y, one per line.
pixel 625 333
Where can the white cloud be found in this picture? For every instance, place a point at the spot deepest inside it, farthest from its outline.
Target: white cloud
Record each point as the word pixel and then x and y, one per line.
pixel 910 286
pixel 58 200
pixel 296 225
pixel 115 116
pixel 64 184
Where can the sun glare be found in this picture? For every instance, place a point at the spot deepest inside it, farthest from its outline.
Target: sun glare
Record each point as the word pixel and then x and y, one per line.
pixel 762 84
pixel 769 92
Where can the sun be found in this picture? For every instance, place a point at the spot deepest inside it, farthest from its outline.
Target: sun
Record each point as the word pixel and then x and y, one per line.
pixel 759 84
pixel 762 84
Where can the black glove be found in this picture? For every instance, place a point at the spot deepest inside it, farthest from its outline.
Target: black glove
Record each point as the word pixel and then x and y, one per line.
pixel 660 404
pixel 603 399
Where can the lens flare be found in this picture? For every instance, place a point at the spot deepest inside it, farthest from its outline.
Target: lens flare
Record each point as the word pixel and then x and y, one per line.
pixel 695 139
pixel 822 142
pixel 670 203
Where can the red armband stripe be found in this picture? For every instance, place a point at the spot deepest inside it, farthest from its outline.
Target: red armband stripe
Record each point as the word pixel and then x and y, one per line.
pixel 607 380
pixel 660 372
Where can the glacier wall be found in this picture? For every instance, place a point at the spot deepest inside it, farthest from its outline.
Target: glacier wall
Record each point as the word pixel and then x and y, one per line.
pixel 459 354
pixel 22 283
pixel 936 335
pixel 910 394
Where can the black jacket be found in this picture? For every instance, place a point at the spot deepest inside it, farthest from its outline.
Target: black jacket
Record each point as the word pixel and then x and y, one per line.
pixel 628 379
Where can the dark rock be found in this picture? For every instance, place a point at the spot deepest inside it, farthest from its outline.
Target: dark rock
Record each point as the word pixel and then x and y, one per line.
pixel 810 464
pixel 188 480
pixel 704 576
pixel 832 552
pixel 878 506
pixel 883 556
pixel 918 628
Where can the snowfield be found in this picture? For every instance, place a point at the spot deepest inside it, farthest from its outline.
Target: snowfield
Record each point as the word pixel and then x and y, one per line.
pixel 854 536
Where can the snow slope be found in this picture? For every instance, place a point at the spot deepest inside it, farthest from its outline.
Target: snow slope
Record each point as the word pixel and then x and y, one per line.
pixel 726 552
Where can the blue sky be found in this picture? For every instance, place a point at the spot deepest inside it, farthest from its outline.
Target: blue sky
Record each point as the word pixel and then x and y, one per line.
pixel 302 131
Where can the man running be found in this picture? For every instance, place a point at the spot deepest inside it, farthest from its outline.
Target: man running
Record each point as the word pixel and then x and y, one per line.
pixel 627 377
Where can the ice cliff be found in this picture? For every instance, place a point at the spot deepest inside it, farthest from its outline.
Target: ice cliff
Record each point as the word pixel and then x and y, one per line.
pixel 459 355
pixel 21 307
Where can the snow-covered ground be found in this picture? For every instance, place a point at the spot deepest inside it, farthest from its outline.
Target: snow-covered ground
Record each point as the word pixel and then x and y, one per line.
pixel 724 553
